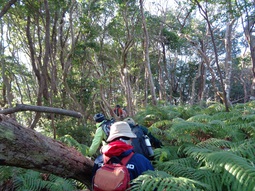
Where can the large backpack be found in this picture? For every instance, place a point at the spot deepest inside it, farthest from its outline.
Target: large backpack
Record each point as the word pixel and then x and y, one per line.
pixel 106 126
pixel 139 142
pixel 112 176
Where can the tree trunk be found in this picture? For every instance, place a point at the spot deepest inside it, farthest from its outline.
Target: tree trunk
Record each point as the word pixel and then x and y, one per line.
pixel 26 148
pixel 228 47
pixel 193 90
pixel 205 16
pixel 147 58
pixel 124 76
pixel 249 30
pixel 7 82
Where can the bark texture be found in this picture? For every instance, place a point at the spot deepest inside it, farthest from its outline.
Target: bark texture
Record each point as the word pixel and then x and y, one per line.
pixel 26 148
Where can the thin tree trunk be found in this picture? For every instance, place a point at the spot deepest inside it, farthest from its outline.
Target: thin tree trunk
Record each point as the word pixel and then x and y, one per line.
pixel 249 29
pixel 125 80
pixel 193 90
pixel 204 14
pixel 7 90
pixel 36 71
pixel 228 59
pixel 147 58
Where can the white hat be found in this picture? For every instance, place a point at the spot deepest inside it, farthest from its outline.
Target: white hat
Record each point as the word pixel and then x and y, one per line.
pixel 120 129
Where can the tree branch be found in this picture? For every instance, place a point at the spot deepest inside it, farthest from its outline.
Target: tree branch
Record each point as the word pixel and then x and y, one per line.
pixel 6 7
pixel 23 107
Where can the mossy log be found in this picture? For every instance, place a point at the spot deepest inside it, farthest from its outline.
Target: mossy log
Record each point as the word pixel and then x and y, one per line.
pixel 26 148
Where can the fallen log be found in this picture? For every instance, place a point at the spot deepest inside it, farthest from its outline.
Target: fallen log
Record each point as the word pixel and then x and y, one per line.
pixel 26 148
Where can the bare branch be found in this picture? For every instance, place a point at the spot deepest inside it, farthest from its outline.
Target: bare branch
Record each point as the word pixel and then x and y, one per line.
pixel 24 107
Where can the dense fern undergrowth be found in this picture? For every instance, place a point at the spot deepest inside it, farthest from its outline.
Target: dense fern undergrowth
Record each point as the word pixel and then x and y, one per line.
pixel 205 148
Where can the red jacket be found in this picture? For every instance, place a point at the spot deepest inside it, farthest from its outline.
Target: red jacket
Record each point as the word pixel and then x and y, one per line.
pixel 118 112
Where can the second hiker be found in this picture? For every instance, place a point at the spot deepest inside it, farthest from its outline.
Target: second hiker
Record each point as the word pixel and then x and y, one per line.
pixel 119 147
pixel 101 134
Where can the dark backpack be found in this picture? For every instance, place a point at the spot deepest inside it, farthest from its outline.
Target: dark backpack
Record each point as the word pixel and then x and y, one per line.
pixel 106 126
pixel 112 176
pixel 139 143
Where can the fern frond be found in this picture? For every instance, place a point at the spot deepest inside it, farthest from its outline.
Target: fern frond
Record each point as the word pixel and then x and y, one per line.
pixel 184 162
pixel 250 104
pixel 191 132
pixel 210 177
pixel 215 144
pixel 226 116
pixel 5 173
pixel 70 141
pixel 165 153
pixel 202 118
pixel 245 149
pixel 234 132
pixel 247 128
pixel 237 172
pixel 187 111
pixel 248 118
pixel 216 123
pixel 162 181
pixel 176 169
pixel 152 114
pixel 177 120
pixel 61 184
pixel 214 107
pixel 32 180
pixel 163 124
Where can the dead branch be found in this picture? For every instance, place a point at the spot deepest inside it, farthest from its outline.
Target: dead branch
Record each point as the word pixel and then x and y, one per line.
pixel 24 107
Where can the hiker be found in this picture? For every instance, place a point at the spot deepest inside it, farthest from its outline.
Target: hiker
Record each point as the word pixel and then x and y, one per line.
pixel 100 135
pixel 124 112
pixel 118 111
pixel 139 143
pixel 118 147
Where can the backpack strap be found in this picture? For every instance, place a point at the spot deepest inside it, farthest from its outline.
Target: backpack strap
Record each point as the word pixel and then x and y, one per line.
pixel 123 161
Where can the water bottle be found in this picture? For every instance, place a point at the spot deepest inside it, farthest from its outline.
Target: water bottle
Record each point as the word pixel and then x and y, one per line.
pixel 148 144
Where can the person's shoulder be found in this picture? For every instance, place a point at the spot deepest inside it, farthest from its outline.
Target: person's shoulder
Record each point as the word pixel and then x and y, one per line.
pixel 139 157
pixel 99 123
pixel 141 162
pixel 99 130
